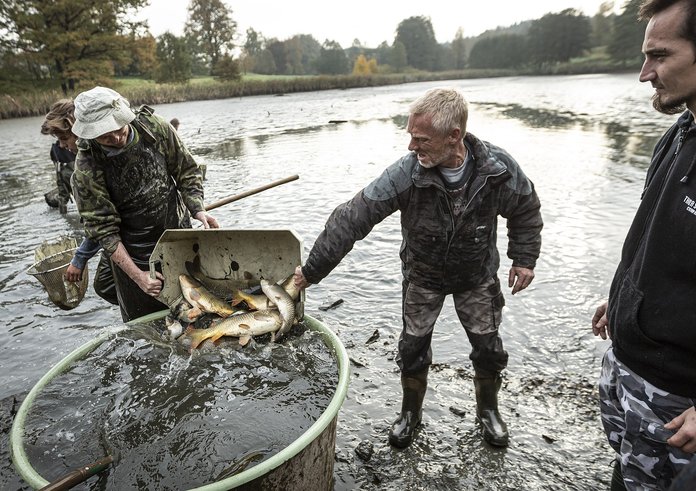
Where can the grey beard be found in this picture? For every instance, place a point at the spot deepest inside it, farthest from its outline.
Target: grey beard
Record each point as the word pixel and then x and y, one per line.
pixel 675 107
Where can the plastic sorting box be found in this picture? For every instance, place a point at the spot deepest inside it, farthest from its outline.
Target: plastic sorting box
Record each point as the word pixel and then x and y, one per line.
pixel 225 259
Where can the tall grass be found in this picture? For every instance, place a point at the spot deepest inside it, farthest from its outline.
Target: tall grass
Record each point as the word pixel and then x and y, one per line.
pixel 37 103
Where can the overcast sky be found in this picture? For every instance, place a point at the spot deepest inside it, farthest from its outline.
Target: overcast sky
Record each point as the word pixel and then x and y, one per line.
pixel 370 21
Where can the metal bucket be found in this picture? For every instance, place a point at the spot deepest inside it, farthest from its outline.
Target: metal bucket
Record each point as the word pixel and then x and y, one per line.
pixel 52 261
pixel 306 463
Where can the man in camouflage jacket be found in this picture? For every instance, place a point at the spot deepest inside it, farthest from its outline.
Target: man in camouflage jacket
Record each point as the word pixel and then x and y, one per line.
pixel 133 179
pixel 450 190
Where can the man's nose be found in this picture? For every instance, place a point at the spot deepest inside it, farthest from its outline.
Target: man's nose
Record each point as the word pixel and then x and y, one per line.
pixel 647 73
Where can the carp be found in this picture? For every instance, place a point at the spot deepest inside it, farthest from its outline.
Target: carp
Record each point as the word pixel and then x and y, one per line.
pixel 282 300
pixel 242 326
pixel 199 297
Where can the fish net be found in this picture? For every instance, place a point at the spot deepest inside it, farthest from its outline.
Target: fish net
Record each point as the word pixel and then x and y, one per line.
pixel 52 260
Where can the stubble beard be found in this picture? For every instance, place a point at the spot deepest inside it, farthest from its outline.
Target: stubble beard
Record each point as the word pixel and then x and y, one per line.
pixel 673 107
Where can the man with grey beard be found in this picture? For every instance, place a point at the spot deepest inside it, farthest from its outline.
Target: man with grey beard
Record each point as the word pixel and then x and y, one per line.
pixel 450 190
pixel 647 386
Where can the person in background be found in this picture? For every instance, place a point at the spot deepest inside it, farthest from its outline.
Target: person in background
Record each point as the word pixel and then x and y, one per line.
pixel 647 386
pixel 450 189
pixel 133 179
pixel 57 123
pixel 175 123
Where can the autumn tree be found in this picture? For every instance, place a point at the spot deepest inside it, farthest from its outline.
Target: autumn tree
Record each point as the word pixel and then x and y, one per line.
pixel 363 66
pixel 70 40
pixel 211 27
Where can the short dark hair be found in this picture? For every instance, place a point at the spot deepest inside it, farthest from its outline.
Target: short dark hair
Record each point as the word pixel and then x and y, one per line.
pixel 688 29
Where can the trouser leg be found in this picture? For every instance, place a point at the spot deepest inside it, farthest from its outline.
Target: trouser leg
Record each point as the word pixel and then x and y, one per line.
pixel 420 309
pixel 104 284
pixel 480 312
pixel 134 302
pixel 633 414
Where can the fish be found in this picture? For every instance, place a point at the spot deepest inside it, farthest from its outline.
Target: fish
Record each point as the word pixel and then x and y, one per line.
pixel 285 304
pixel 184 312
pixel 262 302
pixel 244 326
pixel 254 302
pixel 174 329
pixel 198 296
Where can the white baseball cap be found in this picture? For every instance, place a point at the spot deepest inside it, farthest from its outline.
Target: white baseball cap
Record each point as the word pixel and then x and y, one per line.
pixel 100 110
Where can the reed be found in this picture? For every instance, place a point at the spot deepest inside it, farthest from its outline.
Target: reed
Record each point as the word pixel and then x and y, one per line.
pixel 37 102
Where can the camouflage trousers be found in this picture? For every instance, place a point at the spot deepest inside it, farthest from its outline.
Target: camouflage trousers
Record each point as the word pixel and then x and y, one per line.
pixel 634 413
pixel 480 313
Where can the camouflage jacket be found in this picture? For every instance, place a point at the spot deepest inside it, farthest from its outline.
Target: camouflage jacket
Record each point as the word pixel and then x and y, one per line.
pixel 440 250
pixel 134 195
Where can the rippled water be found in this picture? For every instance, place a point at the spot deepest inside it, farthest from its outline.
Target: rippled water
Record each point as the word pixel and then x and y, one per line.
pixel 585 141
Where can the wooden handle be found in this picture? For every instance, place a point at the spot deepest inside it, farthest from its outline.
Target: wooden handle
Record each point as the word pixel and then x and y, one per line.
pixel 230 199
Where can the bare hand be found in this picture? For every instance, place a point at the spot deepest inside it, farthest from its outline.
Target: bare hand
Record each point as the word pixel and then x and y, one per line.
pixel 207 220
pixel 299 279
pixel 73 274
pixel 600 324
pixel 520 278
pixel 685 437
pixel 151 286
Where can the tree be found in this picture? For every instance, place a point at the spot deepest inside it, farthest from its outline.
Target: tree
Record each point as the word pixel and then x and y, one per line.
pixel 211 27
pixel 559 37
pixel 363 66
pixel 399 57
pixel 227 69
pixel 174 59
pixel 503 51
pixel 418 37
pixel 602 25
pixel 332 59
pixel 627 38
pixel 459 50
pixel 144 58
pixel 70 40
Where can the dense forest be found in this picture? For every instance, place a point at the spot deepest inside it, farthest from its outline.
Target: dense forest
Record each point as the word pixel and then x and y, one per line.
pixel 71 44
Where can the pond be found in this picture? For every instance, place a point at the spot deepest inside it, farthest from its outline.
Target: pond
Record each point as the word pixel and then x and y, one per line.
pixel 585 141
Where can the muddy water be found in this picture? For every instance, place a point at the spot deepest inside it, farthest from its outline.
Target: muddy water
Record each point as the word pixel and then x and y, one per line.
pixel 585 141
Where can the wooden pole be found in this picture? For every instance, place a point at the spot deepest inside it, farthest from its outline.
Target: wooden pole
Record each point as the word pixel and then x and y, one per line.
pixel 236 197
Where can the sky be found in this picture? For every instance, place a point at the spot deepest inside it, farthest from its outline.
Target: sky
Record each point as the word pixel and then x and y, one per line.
pixel 370 21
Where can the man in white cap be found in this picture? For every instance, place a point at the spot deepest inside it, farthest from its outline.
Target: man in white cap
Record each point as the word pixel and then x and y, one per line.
pixel 133 179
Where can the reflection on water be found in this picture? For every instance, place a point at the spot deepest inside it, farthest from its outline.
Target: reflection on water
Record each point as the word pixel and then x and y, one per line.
pixel 585 141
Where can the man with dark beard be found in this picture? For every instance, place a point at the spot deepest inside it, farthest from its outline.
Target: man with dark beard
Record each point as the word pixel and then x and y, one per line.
pixel 648 383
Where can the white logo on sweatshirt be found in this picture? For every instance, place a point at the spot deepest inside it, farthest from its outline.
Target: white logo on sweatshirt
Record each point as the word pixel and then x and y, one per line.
pixel 690 205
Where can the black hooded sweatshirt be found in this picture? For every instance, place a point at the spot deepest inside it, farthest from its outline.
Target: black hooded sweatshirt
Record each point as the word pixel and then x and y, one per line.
pixel 652 302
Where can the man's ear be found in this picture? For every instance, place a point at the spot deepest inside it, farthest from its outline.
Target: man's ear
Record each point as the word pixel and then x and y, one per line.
pixel 455 135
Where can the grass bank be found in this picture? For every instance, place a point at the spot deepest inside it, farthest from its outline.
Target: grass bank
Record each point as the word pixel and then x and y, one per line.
pixel 139 91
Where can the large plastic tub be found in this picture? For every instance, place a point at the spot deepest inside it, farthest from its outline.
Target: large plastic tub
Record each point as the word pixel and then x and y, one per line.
pixel 306 463
pixel 228 259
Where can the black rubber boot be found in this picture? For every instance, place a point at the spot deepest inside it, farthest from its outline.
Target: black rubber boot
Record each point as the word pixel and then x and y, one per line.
pixel 413 386
pixel 493 428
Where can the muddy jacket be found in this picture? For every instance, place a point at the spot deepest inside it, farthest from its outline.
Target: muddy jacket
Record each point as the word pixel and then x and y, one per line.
pixel 438 251
pixel 652 308
pixel 64 162
pixel 133 196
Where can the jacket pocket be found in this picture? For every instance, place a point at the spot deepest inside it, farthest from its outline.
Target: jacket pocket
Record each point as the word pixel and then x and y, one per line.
pixel 625 318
